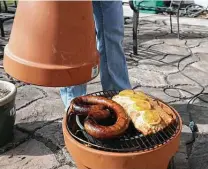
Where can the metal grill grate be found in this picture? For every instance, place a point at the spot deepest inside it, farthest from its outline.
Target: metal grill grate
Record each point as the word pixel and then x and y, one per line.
pixel 131 141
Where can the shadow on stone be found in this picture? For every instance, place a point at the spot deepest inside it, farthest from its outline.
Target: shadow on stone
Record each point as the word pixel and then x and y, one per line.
pixel 196 111
pixel 50 136
pixel 199 156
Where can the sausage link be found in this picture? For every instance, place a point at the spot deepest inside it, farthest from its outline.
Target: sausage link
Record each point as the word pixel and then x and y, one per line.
pixel 103 132
pixel 97 112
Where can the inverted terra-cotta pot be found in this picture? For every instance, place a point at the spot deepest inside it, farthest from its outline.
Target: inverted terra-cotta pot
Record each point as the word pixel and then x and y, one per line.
pixel 52 43
pixel 89 158
pixel 7 111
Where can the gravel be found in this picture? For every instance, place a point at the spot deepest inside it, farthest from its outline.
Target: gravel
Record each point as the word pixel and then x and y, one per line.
pixel 3 93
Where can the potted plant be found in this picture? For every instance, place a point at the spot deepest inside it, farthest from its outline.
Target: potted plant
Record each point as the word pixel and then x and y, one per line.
pixel 7 111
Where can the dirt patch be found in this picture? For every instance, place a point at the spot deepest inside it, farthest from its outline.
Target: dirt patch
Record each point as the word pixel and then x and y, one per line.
pixel 4 93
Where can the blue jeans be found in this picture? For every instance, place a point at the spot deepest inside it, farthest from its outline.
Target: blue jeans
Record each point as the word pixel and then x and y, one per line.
pixel 109 23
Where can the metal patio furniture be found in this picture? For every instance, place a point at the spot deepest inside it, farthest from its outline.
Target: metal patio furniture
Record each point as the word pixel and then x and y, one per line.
pixel 6 13
pixel 173 8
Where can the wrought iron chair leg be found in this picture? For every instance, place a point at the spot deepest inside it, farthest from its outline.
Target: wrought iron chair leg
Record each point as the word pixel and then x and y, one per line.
pixel 135 27
pixel 2 28
pixel 0 7
pixel 15 3
pixel 171 24
pixel 178 23
pixel 5 6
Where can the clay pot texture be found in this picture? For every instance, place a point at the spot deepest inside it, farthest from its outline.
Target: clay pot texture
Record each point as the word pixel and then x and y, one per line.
pixel 53 43
pixel 89 158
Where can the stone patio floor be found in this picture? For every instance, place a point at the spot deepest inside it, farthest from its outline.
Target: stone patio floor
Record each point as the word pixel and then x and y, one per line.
pixel 170 69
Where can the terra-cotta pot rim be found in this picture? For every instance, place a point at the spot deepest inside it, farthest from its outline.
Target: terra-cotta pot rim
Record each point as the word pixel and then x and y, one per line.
pixel 12 92
pixel 9 53
pixel 98 152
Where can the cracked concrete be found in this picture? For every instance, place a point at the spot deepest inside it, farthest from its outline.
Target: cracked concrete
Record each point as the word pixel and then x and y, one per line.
pixel 168 68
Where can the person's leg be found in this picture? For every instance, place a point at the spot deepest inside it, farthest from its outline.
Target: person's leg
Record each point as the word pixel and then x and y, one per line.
pixel 110 33
pixel 68 93
pixel 109 24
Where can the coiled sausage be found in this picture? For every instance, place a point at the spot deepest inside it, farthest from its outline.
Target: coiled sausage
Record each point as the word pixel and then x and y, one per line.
pixel 91 105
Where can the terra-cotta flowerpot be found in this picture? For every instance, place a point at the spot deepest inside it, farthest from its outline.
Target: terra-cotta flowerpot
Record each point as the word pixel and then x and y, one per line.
pixel 53 43
pixel 86 157
pixel 7 111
